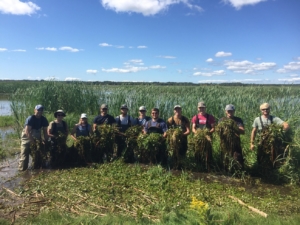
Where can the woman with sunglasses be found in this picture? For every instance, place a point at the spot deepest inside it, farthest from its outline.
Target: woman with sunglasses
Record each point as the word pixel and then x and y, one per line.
pixel 58 133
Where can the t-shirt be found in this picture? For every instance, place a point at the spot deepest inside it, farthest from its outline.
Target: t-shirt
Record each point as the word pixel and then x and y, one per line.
pixel 160 123
pixel 142 121
pixel 124 120
pixel 266 121
pixel 202 119
pixel 82 130
pixel 107 119
pixel 36 123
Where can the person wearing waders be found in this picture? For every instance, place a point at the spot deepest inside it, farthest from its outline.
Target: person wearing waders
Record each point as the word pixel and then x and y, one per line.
pixel 142 119
pixel 32 132
pixel 124 121
pixel 103 118
pixel 183 123
pixel 57 129
pixel 235 153
pixel 262 122
pixel 157 125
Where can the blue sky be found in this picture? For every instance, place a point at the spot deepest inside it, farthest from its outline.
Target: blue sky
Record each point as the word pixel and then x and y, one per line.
pixel 199 41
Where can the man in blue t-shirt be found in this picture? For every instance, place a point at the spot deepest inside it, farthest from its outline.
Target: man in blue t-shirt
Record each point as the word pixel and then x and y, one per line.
pixel 34 125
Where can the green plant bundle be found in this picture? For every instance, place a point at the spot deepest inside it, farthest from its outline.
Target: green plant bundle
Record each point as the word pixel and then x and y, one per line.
pixel 60 142
pixel 132 134
pixel 175 143
pixel 271 146
pixel 38 153
pixel 83 146
pixel 104 141
pixel 149 146
pixel 202 146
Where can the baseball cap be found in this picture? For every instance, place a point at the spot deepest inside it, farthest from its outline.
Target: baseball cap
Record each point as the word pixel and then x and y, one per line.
pixel 143 108
pixel 264 106
pixel 83 115
pixel 229 107
pixel 104 106
pixel 39 107
pixel 124 106
pixel 177 106
pixel 201 104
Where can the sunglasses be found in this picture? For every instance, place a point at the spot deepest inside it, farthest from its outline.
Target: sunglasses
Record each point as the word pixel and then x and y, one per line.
pixel 60 114
pixel 142 110
pixel 154 113
pixel 266 109
pixel 104 109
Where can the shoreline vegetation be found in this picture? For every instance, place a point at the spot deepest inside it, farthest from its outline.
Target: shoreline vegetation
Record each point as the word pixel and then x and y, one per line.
pixel 120 193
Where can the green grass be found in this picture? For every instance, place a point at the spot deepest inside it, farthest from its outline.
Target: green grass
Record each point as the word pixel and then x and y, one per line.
pixel 6 121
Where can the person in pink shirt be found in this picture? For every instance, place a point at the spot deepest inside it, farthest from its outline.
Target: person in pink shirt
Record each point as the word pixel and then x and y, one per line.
pixel 203 120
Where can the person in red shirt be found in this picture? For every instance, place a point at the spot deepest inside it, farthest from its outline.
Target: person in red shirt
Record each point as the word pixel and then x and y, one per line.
pixel 203 120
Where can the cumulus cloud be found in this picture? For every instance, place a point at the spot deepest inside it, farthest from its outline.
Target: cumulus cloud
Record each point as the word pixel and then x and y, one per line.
pixel 17 7
pixel 132 69
pixel 145 7
pixel 209 60
pixel 291 80
pixel 105 45
pixel 142 46
pixel 166 57
pixel 292 66
pixel 210 74
pixel 69 49
pixel 91 71
pixel 19 50
pixel 157 67
pixel 247 67
pixel 213 81
pixel 72 79
pixel 238 4
pixel 3 49
pixel 52 78
pixel 223 54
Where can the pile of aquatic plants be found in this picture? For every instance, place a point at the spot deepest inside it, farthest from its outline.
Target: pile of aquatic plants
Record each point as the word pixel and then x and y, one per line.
pixel 132 134
pixel 83 146
pixel 174 144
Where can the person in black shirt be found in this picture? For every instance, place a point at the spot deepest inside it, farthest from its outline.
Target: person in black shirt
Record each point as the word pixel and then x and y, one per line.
pixel 103 118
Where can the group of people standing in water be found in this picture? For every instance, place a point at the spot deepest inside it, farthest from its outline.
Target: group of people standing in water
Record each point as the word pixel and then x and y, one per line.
pixel 36 123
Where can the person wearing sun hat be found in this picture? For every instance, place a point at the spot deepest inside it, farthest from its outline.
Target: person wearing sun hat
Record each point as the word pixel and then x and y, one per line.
pixel 33 127
pixel 58 129
pixel 103 117
pixel 235 153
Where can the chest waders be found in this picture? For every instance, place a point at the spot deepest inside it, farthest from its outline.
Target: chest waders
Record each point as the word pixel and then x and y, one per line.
pixel 154 129
pixel 124 127
pixel 203 126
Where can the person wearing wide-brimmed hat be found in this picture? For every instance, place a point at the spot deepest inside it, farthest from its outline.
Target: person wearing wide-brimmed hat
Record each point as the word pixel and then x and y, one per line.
pixel 103 118
pixel 236 153
pixel 31 133
pixel 58 132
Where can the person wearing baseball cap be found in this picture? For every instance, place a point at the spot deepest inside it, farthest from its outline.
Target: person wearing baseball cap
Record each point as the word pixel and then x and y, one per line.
pixel 142 119
pixel 235 153
pixel 31 133
pixel 182 122
pixel 203 120
pixel 103 117
pixel 82 128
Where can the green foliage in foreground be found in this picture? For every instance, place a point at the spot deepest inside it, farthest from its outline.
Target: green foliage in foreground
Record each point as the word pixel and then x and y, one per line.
pixel 6 121
pixel 150 194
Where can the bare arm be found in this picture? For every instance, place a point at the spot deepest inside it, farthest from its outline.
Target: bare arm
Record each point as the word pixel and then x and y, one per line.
pixel 73 132
pixel 45 133
pixel 94 126
pixel 28 133
pixel 212 128
pixel 253 134
pixel 194 128
pixel 285 126
pixel 242 130
pixel 188 131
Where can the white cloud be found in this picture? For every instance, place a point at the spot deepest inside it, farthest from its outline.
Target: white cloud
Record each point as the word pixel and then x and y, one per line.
pixel 70 49
pixel 294 75
pixel 137 61
pixel 292 66
pixel 119 46
pixel 3 49
pixel 105 45
pixel 157 67
pixel 72 79
pixel 209 60
pixel 51 49
pixel 142 46
pixel 17 7
pixel 166 57
pixel 19 50
pixel 247 67
pixel 238 4
pixel 52 78
pixel 223 54
pixel 132 69
pixel 213 81
pixel 145 7
pixel 210 74
pixel 92 71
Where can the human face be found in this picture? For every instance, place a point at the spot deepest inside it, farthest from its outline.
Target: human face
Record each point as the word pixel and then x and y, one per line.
pixel 142 113
pixel 124 111
pixel 177 111
pixel 104 111
pixel 59 116
pixel 265 111
pixel 154 114
pixel 229 113
pixel 38 113
pixel 202 110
